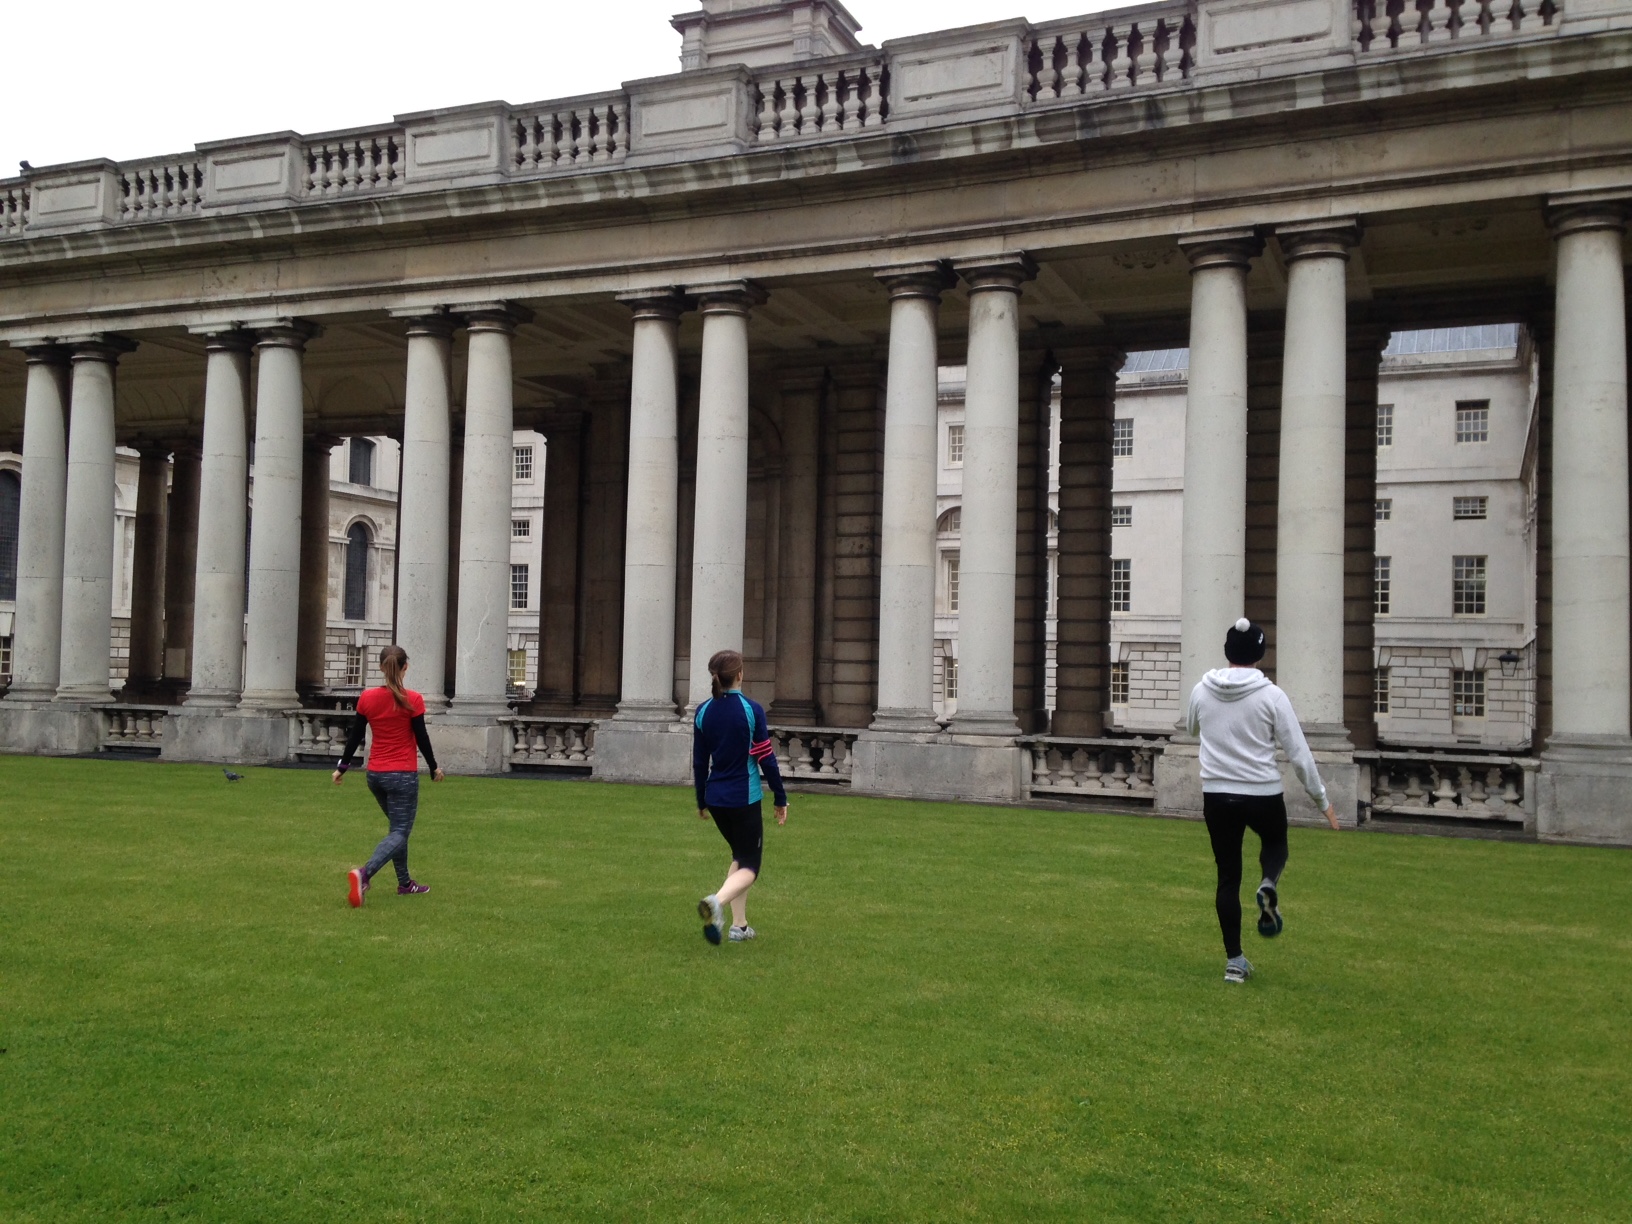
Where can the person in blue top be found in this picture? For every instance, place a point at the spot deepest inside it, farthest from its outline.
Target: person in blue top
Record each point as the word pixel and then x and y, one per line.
pixel 730 748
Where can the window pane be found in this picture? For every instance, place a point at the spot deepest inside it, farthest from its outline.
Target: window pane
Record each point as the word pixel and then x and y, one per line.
pixel 1121 586
pixel 518 668
pixel 524 462
pixel 10 507
pixel 1379 704
pixel 356 594
pixel 1385 509
pixel 1473 421
pixel 362 461
pixel 1380 585
pixel 954 443
pixel 952 582
pixel 1468 586
pixel 949 678
pixel 1122 437
pixel 521 529
pixel 354 666
pixel 1469 507
pixel 1385 425
pixel 1119 684
pixel 1121 516
pixel 518 588
pixel 1468 694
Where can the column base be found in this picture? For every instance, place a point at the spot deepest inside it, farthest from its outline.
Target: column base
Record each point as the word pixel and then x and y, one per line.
pixel 940 766
pixel 37 694
pixel 48 728
pixel 910 722
pixel 203 699
pixel 1178 785
pixel 628 749
pixel 989 723
pixel 1584 790
pixel 479 707
pixel 231 737
pixel 269 699
pixel 84 694
pixel 794 713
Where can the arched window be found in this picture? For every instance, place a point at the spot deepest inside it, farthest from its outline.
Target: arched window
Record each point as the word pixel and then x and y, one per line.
pixel 951 522
pixel 362 461
pixel 357 573
pixel 10 500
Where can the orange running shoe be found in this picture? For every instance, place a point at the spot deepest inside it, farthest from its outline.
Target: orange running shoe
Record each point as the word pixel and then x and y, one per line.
pixel 359 887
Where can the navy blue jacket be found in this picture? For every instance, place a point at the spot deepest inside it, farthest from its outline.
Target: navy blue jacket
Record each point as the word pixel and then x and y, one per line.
pixel 729 749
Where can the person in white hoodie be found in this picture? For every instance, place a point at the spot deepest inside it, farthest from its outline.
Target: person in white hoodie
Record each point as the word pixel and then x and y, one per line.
pixel 1241 717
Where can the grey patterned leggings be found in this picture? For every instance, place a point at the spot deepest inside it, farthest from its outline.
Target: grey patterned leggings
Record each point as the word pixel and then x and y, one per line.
pixel 398 794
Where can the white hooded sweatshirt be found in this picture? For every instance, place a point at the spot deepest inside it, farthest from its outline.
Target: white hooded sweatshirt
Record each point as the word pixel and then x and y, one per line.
pixel 1241 716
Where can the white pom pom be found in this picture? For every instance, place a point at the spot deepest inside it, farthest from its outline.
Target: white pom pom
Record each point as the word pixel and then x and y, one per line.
pixel 1242 625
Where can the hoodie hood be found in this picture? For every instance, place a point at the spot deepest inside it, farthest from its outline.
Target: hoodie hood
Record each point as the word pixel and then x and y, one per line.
pixel 1234 683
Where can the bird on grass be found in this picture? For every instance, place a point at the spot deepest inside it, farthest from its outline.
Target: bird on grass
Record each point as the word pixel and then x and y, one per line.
pixel 232 777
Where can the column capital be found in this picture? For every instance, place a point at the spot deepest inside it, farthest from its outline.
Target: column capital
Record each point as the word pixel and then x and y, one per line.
pixel 322 441
pixel 283 333
pixel 230 337
pixel 1006 271
pixel 1575 212
pixel 917 280
pixel 1090 356
pixel 1228 248
pixel 667 303
pixel 100 346
pixel 736 297
pixel 494 316
pixel 434 321
pixel 42 352
pixel 1328 238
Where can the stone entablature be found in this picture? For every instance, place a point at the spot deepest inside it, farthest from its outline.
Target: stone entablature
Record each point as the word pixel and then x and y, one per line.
pixel 1000 71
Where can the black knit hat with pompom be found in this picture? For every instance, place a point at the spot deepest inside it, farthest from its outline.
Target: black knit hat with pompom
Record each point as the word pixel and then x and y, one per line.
pixel 1244 643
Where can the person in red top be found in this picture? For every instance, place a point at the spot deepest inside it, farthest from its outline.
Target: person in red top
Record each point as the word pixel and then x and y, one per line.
pixel 397 716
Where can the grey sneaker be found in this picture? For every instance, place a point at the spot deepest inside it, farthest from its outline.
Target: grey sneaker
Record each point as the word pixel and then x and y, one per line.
pixel 1270 921
pixel 1237 969
pixel 708 909
pixel 738 934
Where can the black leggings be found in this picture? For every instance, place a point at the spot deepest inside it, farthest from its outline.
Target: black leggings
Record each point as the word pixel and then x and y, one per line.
pixel 1228 819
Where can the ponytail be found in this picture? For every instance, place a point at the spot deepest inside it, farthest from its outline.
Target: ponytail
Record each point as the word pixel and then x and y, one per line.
pixel 392 661
pixel 725 671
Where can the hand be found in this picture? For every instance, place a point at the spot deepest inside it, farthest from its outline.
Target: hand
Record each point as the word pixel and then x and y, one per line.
pixel 1331 816
pixel 436 775
pixel 702 813
pixel 339 776
pixel 782 815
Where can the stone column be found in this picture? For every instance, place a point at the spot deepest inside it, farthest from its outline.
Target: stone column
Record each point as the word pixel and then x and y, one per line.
pixel 1215 451
pixel 423 505
pixel 180 565
pixel 606 499
pixel 218 589
pixel 147 577
pixel 559 575
pixel 1032 459
pixel 1310 535
pixel 990 517
pixel 87 553
pixel 275 533
pixel 1082 678
pixel 311 636
pixel 1587 763
pixel 36 661
pixel 484 514
pixel 906 621
pixel 796 600
pixel 720 523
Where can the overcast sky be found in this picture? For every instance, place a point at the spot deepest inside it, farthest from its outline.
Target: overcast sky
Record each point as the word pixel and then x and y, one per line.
pixel 123 80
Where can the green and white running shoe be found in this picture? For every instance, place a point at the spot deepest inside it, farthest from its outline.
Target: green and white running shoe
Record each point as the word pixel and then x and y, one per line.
pixel 738 934
pixel 1237 969
pixel 708 909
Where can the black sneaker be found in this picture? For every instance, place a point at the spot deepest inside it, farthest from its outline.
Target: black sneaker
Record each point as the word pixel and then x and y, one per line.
pixel 1269 916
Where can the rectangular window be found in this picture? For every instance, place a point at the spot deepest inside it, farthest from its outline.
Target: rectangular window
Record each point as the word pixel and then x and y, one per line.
pixel 1121 586
pixel 354 667
pixel 5 658
pixel 1468 586
pixel 1122 437
pixel 1380 583
pixel 521 529
pixel 518 668
pixel 952 582
pixel 1468 694
pixel 524 462
pixel 954 446
pixel 1119 684
pixel 1379 691
pixel 949 677
pixel 1473 420
pixel 1385 425
pixel 1121 516
pixel 362 461
pixel 1385 509
pixel 518 588
pixel 1469 507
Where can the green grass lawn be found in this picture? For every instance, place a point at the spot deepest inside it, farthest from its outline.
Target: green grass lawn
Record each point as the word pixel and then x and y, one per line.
pixel 952 1013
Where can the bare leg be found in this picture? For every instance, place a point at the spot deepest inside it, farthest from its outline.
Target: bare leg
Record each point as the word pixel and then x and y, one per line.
pixel 735 891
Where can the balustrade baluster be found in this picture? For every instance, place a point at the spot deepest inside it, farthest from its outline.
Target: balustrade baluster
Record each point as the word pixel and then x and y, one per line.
pixel 848 761
pixel 1119 772
pixel 1380 23
pixel 1140 55
pixel 1090 775
pixel 1071 84
pixel 620 131
pixel 1067 774
pixel 1444 791
pixel 789 125
pixel 827 765
pixel 1039 764
pixel 828 90
pixel 1437 22
pixel 873 98
pixel 1121 65
pixel 1048 80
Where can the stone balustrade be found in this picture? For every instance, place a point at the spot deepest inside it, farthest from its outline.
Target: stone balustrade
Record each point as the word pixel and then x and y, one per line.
pixel 815 754
pixel 127 728
pixel 1463 786
pixel 984 72
pixel 585 132
pixel 1400 25
pixel 319 735
pixel 172 187
pixel 552 743
pixel 1100 767
pixel 836 97
pixel 1084 56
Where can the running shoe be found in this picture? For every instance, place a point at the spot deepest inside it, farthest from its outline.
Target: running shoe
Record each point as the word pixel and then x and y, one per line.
pixel 358 886
pixel 738 934
pixel 1269 914
pixel 1237 969
pixel 412 889
pixel 708 909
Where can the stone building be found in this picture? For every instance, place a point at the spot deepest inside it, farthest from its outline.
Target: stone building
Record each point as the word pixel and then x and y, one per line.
pixel 723 296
